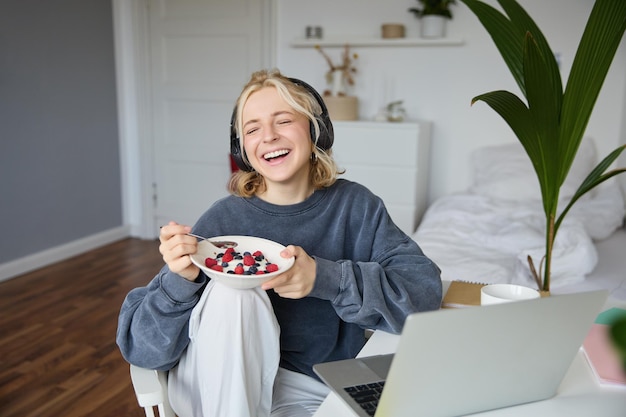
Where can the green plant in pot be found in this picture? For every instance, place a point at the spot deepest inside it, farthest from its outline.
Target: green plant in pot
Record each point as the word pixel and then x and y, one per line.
pixel 433 7
pixel 433 15
pixel 551 122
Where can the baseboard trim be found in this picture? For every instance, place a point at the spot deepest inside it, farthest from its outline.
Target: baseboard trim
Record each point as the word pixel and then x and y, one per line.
pixel 55 254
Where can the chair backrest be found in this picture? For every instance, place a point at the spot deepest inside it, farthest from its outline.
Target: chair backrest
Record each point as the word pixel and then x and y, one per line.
pixel 151 391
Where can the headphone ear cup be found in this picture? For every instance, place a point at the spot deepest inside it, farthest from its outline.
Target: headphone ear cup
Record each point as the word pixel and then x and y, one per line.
pixel 235 146
pixel 327 133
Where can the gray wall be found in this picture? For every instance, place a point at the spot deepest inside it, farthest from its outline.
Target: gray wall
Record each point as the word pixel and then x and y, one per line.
pixel 59 150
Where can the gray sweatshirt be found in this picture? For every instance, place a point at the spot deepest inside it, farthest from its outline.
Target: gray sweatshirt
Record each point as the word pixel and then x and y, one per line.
pixel 370 275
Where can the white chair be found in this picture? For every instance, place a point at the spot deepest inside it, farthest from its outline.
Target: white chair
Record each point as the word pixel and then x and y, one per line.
pixel 151 391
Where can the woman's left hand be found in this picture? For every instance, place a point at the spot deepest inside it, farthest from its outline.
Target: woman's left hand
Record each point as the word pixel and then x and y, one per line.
pixel 298 281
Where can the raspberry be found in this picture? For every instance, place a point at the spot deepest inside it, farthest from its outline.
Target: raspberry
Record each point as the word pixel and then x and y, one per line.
pixel 232 262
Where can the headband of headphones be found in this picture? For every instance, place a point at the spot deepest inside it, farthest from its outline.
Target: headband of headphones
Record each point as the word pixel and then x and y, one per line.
pixel 324 141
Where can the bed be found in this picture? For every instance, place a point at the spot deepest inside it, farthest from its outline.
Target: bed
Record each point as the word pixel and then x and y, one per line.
pixel 486 233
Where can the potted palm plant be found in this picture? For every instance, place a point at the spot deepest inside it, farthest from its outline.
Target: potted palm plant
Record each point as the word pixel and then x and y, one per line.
pixel 433 15
pixel 551 122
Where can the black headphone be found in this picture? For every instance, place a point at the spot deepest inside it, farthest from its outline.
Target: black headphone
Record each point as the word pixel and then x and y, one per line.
pixel 324 142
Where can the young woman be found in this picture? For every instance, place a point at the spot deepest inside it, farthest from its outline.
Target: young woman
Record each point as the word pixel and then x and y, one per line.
pixel 354 270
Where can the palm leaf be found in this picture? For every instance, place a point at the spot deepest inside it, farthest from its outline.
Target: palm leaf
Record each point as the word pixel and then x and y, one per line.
pixel 507 38
pixel 601 38
pixel 518 117
pixel 526 24
pixel 542 89
pixel 595 178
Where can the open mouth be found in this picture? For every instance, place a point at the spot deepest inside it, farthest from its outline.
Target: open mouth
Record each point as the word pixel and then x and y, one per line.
pixel 275 154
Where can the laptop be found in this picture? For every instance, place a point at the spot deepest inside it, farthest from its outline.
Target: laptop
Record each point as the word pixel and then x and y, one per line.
pixel 454 362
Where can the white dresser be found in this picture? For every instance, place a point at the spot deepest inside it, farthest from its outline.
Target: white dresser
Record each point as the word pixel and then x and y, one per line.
pixel 392 160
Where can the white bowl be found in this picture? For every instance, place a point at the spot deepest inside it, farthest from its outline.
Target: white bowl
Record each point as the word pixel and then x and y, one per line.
pixel 506 293
pixel 271 250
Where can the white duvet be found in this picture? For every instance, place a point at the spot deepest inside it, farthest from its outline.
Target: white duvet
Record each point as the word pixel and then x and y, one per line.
pixel 487 233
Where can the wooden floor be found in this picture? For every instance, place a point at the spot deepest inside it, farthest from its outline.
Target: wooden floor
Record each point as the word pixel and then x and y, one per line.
pixel 58 355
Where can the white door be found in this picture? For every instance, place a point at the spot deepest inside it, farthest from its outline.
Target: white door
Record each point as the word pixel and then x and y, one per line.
pixel 202 53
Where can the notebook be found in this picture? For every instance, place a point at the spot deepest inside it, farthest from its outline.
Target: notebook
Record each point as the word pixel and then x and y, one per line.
pixel 454 362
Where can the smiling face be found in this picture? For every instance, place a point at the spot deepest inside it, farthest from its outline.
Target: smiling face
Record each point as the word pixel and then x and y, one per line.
pixel 277 142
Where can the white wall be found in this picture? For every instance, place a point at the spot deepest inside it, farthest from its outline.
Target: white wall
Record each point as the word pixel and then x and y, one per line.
pixel 437 83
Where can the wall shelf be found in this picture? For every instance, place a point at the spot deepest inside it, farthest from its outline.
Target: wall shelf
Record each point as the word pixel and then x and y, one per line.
pixel 375 42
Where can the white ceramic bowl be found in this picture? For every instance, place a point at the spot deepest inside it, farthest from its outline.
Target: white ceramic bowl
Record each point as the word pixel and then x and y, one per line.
pixel 506 293
pixel 271 250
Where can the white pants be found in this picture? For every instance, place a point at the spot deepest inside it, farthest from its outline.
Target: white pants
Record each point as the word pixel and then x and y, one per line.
pixel 296 394
pixel 230 367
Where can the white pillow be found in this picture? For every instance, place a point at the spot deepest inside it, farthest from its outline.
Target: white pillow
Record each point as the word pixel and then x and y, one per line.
pixel 505 172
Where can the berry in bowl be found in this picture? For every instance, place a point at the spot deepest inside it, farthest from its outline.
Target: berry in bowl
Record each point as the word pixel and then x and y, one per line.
pixel 254 261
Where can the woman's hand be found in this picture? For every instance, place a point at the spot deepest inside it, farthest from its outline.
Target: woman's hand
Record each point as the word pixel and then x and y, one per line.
pixel 298 281
pixel 176 246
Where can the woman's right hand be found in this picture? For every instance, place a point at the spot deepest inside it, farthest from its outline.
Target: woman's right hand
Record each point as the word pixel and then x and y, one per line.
pixel 176 246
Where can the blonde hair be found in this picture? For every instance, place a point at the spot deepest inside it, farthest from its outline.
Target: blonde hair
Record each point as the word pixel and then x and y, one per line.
pixel 323 170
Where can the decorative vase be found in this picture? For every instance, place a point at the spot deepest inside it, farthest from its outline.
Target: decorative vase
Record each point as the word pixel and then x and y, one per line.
pixel 338 87
pixel 433 26
pixel 342 107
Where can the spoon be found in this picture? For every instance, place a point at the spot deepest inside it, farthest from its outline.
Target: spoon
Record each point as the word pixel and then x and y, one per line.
pixel 217 243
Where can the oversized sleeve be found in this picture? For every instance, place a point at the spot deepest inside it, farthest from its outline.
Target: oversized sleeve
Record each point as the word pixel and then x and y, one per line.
pixel 386 279
pixel 153 324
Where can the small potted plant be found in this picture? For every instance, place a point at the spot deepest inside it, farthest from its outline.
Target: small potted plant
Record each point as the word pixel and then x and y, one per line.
pixel 433 15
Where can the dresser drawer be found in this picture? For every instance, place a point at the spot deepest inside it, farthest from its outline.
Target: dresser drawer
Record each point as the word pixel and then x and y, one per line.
pixel 392 160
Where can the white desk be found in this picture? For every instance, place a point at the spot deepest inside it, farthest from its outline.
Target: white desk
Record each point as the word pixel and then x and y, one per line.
pixel 578 395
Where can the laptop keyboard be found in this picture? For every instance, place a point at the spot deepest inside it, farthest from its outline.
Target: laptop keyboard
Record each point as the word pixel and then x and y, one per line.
pixel 367 395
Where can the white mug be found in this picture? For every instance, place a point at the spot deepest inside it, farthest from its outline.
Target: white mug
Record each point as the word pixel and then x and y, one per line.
pixel 506 293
